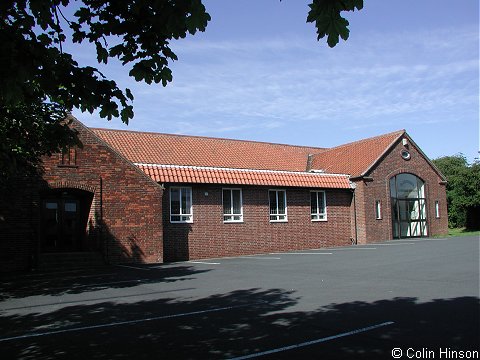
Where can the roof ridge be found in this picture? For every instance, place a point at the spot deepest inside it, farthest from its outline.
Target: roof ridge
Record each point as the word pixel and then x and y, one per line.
pixel 209 137
pixel 367 139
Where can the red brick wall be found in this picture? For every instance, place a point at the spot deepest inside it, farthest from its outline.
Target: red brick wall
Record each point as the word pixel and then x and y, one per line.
pixel 359 221
pixel 209 237
pixel 126 212
pixel 126 215
pixel 378 189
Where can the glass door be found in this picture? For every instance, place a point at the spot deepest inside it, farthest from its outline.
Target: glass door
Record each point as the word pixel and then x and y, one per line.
pixel 409 215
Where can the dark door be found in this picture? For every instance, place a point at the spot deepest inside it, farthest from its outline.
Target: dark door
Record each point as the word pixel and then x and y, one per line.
pixel 60 225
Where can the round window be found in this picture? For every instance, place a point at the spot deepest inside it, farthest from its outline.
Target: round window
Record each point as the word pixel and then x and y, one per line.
pixel 406 155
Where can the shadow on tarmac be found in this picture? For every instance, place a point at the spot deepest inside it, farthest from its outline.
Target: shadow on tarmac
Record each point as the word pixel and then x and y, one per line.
pixel 81 281
pixel 240 323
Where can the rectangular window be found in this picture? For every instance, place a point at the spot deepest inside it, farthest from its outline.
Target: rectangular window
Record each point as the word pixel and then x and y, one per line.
pixel 278 205
pixel 437 209
pixel 181 205
pixel 69 157
pixel 232 205
pixel 378 210
pixel 318 206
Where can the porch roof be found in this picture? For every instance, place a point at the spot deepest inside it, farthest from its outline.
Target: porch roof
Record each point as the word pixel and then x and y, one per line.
pixel 211 175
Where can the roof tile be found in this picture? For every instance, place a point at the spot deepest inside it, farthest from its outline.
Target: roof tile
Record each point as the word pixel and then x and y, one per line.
pixel 188 155
pixel 160 173
pixel 357 157
pixel 156 148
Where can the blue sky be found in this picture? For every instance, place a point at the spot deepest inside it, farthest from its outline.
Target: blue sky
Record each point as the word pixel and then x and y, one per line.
pixel 258 73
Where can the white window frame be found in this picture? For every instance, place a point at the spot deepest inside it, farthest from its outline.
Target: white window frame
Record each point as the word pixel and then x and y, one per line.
pixel 378 210
pixel 437 209
pixel 318 215
pixel 185 217
pixel 277 217
pixel 231 217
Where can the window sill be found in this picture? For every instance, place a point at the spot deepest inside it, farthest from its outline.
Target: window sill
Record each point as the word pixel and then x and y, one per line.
pixel 233 222
pixel 279 221
pixel 181 222
pixel 67 166
pixel 319 220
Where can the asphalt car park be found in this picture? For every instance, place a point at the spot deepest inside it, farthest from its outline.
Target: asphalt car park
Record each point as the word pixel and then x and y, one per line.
pixel 411 298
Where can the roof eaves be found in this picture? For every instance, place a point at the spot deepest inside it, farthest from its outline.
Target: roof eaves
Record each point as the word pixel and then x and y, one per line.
pixel 434 167
pixel 249 176
pixel 171 166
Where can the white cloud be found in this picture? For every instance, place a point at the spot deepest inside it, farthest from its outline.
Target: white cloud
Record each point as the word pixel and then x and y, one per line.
pixel 389 81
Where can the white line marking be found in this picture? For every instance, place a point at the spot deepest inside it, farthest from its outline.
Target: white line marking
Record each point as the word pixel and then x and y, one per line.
pixel 204 262
pixel 303 253
pixel 64 303
pixel 80 276
pixel 419 240
pixel 47 277
pixel 170 265
pixel 309 253
pixel 355 248
pixel 134 267
pixel 97 284
pixel 313 342
pixel 395 244
pixel 129 322
pixel 107 283
pixel 432 240
pixel 259 257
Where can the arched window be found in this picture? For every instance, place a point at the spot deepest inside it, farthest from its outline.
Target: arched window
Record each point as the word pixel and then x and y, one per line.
pixel 409 215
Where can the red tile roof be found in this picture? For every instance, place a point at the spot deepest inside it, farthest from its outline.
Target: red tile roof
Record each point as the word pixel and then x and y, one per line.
pixel 205 175
pixel 156 148
pixel 180 158
pixel 355 158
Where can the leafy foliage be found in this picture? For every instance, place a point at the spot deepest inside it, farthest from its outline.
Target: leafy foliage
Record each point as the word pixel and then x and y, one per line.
pixel 29 131
pixel 326 14
pixel 463 187
pixel 40 83
pixel 34 65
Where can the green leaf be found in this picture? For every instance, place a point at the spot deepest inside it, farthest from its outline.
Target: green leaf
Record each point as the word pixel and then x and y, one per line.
pixel 102 53
pixel 129 94
pixel 127 114
pixel 83 14
pixel 45 39
pixel 341 27
pixel 326 14
pixel 166 75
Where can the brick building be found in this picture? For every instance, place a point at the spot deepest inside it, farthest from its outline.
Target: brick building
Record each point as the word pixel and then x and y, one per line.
pixel 148 197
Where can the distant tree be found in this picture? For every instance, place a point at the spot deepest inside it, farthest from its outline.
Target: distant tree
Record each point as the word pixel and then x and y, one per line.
pixel 463 190
pixel 40 82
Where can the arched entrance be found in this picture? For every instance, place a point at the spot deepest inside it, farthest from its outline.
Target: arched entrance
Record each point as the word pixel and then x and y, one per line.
pixel 64 217
pixel 409 214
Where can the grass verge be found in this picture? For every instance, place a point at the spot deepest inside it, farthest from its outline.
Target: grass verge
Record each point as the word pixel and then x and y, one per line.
pixel 462 232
